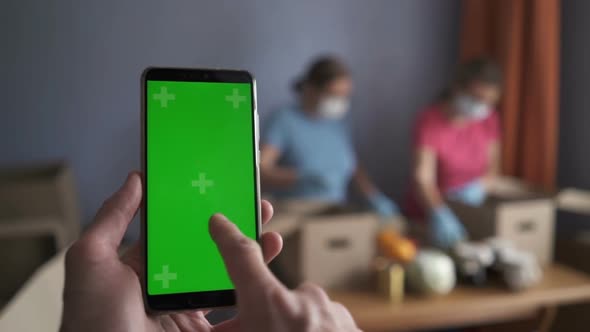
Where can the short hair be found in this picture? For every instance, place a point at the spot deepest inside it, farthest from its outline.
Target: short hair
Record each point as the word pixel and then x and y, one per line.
pixel 321 72
pixel 479 69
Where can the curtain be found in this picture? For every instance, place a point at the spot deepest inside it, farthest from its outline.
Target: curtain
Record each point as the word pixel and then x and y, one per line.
pixel 523 36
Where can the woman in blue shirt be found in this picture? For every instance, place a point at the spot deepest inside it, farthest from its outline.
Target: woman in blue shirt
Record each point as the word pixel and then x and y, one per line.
pixel 306 148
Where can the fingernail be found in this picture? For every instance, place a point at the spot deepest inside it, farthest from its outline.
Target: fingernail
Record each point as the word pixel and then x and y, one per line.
pixel 218 217
pixel 129 175
pixel 125 182
pixel 216 225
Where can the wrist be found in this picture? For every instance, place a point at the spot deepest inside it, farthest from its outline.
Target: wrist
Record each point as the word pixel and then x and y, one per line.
pixel 81 317
pixel 487 182
pixel 440 209
pixel 374 195
pixel 71 325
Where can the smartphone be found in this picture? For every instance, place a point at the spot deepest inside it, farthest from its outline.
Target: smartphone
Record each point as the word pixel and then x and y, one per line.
pixel 200 157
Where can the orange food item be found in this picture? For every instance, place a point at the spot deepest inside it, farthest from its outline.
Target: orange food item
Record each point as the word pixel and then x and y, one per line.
pixel 394 246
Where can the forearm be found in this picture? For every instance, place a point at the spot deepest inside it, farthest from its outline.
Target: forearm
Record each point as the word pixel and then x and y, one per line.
pixel 81 318
pixel 493 170
pixel 430 195
pixel 364 183
pixel 425 179
pixel 489 179
pixel 272 173
pixel 279 177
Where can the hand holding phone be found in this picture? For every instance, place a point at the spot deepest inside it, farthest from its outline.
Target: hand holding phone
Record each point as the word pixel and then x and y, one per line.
pixel 103 292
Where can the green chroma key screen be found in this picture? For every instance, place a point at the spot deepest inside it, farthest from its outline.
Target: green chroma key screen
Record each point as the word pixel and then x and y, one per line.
pixel 200 157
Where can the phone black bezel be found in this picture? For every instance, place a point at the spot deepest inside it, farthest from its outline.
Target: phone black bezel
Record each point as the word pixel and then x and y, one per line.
pixel 193 300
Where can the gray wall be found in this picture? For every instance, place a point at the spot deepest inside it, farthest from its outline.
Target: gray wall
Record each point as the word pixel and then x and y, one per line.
pixel 69 71
pixel 574 156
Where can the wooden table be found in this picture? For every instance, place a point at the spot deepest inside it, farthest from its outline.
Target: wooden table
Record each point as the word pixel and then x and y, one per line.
pixel 466 306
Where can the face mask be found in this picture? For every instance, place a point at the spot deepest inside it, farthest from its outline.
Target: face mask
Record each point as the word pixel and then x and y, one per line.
pixel 333 107
pixel 470 107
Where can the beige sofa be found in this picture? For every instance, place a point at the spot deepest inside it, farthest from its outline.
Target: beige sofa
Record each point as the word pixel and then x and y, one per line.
pixel 37 305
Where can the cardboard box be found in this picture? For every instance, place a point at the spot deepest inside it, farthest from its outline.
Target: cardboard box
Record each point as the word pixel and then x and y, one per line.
pixel 38 216
pixel 332 248
pixel 40 192
pixel 573 212
pixel 514 212
pixel 288 214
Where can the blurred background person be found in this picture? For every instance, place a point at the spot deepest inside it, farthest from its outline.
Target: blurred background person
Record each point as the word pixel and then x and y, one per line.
pixel 456 150
pixel 306 148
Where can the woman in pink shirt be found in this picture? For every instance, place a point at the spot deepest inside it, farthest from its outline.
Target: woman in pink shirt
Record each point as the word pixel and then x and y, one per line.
pixel 456 150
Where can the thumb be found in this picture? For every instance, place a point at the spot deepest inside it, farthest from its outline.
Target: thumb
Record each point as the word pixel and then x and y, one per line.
pixel 116 213
pixel 243 259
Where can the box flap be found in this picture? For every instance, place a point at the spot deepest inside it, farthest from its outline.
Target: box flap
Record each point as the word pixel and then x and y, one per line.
pixel 508 187
pixel 300 207
pixel 574 200
pixel 338 210
pixel 41 172
pixel 583 238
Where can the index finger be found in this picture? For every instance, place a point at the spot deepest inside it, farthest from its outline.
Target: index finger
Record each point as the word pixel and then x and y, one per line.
pixel 243 259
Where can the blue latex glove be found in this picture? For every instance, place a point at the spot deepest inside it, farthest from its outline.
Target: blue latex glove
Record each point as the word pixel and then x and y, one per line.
pixel 384 206
pixel 472 193
pixel 445 229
